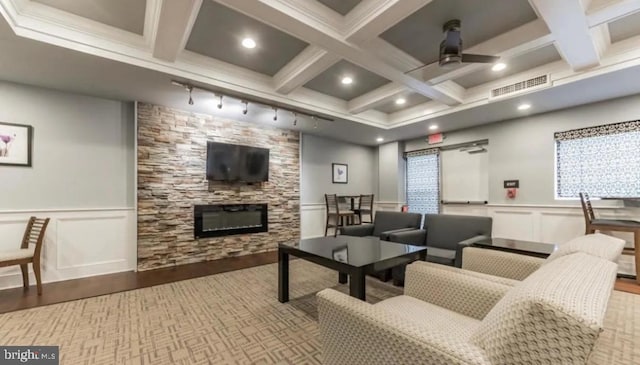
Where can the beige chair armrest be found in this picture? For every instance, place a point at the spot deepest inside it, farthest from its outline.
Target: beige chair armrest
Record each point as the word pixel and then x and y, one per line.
pixel 461 291
pixel 356 332
pixel 500 263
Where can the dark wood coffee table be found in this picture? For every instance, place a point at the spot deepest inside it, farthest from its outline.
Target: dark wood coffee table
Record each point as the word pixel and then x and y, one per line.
pixel 536 249
pixel 350 256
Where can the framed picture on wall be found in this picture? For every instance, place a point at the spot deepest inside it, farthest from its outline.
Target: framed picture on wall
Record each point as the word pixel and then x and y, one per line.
pixel 340 173
pixel 15 144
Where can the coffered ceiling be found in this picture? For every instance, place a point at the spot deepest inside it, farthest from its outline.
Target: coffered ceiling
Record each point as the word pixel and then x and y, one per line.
pixel 304 48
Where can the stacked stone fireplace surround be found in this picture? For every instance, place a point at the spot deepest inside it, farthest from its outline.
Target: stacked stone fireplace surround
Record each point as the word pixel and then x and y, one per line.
pixel 171 180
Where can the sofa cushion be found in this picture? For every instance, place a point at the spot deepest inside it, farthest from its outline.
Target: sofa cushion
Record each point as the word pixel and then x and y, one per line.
pixel 597 244
pixel 430 315
pixel 554 316
pixel 447 230
pixel 441 256
pixel 388 221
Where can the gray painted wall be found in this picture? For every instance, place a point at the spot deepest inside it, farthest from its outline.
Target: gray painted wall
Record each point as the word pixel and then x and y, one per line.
pixel 524 148
pixel 391 172
pixel 83 151
pixel 317 156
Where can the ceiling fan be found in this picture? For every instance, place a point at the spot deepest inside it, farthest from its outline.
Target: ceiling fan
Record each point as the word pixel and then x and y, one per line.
pixel 451 49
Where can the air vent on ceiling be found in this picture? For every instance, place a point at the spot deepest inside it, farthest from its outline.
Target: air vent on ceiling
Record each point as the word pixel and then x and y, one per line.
pixel 520 86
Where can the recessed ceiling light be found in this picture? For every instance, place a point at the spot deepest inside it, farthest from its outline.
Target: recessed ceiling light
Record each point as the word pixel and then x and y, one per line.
pixel 379 139
pixel 524 106
pixel 248 43
pixel 433 126
pixel 400 101
pixel 347 80
pixel 499 67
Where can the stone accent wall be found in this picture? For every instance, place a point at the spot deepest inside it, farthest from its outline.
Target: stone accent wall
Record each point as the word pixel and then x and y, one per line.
pixel 171 180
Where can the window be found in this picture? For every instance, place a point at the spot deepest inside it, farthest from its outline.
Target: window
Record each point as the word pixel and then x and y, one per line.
pixel 601 161
pixel 423 181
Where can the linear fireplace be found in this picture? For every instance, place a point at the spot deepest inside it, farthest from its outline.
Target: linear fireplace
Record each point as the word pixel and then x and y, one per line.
pixel 227 219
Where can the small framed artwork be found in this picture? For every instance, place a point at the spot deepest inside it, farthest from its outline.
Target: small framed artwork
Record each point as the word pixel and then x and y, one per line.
pixel 340 173
pixel 15 144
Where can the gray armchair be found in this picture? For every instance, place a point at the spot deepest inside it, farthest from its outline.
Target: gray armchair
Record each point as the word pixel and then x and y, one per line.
pixel 445 235
pixel 384 224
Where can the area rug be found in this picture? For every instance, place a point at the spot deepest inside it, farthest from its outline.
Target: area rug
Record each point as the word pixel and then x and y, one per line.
pixel 232 318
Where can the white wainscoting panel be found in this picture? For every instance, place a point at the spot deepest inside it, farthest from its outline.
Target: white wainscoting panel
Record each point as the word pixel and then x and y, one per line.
pixel 550 224
pixel 513 223
pixel 77 243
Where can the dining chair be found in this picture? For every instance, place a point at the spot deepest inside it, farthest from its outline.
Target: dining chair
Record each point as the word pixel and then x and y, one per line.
pixel 336 213
pixel 29 252
pixel 365 207
pixel 593 224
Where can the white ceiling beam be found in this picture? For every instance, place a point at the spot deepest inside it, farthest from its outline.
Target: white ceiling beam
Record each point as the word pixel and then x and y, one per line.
pixel 371 18
pixel 305 66
pixel 612 10
pixel 567 21
pixel 285 15
pixel 391 55
pixel 374 98
pixel 515 42
pixel 174 27
pixel 601 38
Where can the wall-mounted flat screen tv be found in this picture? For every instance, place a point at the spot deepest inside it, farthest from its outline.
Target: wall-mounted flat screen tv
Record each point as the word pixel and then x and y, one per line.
pixel 232 162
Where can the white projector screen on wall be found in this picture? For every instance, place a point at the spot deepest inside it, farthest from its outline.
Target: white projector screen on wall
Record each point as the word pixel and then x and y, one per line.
pixel 465 176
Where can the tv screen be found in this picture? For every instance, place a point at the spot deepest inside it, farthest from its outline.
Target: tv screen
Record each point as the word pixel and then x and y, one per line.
pixel 232 162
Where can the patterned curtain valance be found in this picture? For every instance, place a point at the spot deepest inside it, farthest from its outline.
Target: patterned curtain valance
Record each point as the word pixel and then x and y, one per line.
pixel 603 130
pixel 428 151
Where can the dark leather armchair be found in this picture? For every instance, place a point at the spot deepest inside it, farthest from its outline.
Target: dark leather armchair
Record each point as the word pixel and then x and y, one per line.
pixel 384 224
pixel 445 235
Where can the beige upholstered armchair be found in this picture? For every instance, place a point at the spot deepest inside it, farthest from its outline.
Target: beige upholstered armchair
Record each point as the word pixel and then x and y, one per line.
pixel 518 267
pixel 451 316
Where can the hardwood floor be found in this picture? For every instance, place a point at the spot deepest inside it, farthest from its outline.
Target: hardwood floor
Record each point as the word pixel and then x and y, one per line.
pixel 62 291
pixel 627 285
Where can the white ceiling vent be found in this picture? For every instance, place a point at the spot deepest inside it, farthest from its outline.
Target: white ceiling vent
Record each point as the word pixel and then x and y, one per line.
pixel 536 82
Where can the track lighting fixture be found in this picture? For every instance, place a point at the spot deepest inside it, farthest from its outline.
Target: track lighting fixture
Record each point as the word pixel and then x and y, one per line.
pixel 190 89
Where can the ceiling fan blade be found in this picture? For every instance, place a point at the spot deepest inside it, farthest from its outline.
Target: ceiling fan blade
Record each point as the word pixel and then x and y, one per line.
pixel 478 58
pixel 416 69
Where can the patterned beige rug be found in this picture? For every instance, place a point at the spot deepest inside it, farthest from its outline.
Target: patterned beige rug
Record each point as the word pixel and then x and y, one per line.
pixel 231 318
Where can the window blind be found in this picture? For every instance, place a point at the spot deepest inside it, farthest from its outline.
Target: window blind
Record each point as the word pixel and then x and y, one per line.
pixel 423 181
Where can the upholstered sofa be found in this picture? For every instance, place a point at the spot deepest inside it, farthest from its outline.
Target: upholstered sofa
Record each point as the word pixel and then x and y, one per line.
pixel 518 267
pixel 385 223
pixel 454 316
pixel 445 235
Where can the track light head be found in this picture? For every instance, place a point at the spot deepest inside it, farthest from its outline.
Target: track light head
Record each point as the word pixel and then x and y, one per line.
pixel 220 103
pixel 246 107
pixel 295 119
pixel 275 114
pixel 190 89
